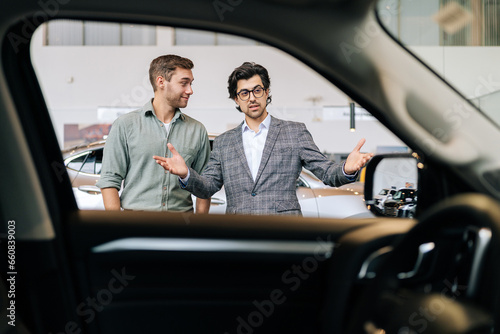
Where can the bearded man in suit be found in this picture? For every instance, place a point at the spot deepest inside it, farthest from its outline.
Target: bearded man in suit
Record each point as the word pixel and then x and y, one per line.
pixel 259 161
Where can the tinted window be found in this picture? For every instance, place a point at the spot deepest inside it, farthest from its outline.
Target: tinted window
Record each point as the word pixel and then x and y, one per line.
pixel 98 161
pixel 89 164
pixel 77 162
pixel 302 183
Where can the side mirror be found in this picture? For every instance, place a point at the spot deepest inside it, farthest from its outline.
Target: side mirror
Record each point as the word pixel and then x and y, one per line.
pixel 391 171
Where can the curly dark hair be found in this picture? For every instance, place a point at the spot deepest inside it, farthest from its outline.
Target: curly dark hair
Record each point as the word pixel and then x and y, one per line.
pixel 244 72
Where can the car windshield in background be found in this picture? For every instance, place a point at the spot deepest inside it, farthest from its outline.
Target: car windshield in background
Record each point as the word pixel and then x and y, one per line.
pixel 459 40
pixel 383 192
pixel 404 194
pixel 85 100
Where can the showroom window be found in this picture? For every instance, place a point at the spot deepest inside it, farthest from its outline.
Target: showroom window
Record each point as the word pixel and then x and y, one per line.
pixel 442 22
pixel 200 37
pixel 72 32
pixel 482 28
pixel 75 33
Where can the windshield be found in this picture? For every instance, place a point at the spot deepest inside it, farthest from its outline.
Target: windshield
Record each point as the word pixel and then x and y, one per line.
pixel 84 101
pixel 459 40
pixel 403 194
pixel 383 192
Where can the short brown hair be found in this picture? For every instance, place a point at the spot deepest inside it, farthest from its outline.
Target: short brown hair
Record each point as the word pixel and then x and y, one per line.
pixel 165 66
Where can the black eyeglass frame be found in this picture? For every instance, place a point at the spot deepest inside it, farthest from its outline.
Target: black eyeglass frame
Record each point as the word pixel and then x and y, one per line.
pixel 251 91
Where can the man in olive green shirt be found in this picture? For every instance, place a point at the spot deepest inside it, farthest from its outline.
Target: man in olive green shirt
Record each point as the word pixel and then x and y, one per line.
pixel 136 136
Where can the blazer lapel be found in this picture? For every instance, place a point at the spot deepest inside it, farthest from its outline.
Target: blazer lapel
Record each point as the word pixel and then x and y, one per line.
pixel 272 135
pixel 240 151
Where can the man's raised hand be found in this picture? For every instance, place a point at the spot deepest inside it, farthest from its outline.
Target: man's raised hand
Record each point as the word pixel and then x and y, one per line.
pixel 175 165
pixel 357 160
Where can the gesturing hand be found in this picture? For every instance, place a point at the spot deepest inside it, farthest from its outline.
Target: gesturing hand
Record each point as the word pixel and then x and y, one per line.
pixel 175 165
pixel 356 160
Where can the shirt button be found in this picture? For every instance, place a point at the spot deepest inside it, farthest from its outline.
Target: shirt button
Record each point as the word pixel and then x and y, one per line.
pixel 166 171
pixel 254 194
pixel 164 188
pixel 163 204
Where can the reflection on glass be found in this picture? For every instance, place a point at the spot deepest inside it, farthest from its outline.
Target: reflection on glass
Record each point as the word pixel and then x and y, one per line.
pixel 459 40
pixel 395 183
pixel 77 162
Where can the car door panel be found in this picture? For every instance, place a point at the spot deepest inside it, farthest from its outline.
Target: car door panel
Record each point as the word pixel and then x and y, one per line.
pixel 307 201
pixel 183 273
pixel 343 205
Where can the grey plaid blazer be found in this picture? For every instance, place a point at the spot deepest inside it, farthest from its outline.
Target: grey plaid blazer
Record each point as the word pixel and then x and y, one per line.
pixel 289 147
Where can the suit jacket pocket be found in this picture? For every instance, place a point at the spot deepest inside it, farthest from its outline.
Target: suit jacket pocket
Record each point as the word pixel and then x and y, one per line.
pixel 287 150
pixel 289 205
pixel 284 159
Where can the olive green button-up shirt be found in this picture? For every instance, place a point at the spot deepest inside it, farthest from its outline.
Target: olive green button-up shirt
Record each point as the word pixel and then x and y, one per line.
pixel 128 156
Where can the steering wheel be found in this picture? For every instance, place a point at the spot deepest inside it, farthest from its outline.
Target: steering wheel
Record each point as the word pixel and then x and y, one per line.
pixel 441 277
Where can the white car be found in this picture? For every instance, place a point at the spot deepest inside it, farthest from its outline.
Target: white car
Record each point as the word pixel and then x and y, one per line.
pixel 315 198
pixel 319 200
pixel 382 196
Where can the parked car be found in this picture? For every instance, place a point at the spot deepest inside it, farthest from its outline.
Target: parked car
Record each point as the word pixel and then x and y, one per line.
pixel 403 197
pixel 83 163
pixel 65 270
pixel 382 196
pixel 408 210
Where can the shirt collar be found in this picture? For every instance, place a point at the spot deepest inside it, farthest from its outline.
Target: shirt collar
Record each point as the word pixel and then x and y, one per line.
pixel 265 124
pixel 149 111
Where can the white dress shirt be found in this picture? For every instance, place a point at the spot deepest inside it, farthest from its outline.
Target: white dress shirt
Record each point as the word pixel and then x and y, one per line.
pixel 253 144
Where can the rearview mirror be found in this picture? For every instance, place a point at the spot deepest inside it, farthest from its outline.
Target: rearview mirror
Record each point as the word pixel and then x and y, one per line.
pixel 391 182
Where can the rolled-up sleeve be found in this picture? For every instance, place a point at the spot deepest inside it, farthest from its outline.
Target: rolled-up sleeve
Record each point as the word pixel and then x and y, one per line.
pixel 211 180
pixel 115 158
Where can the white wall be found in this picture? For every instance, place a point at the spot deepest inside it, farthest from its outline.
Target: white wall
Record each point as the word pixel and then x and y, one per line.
pixel 76 80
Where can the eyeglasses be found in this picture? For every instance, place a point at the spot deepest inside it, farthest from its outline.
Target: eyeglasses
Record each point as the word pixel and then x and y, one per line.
pixel 244 94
